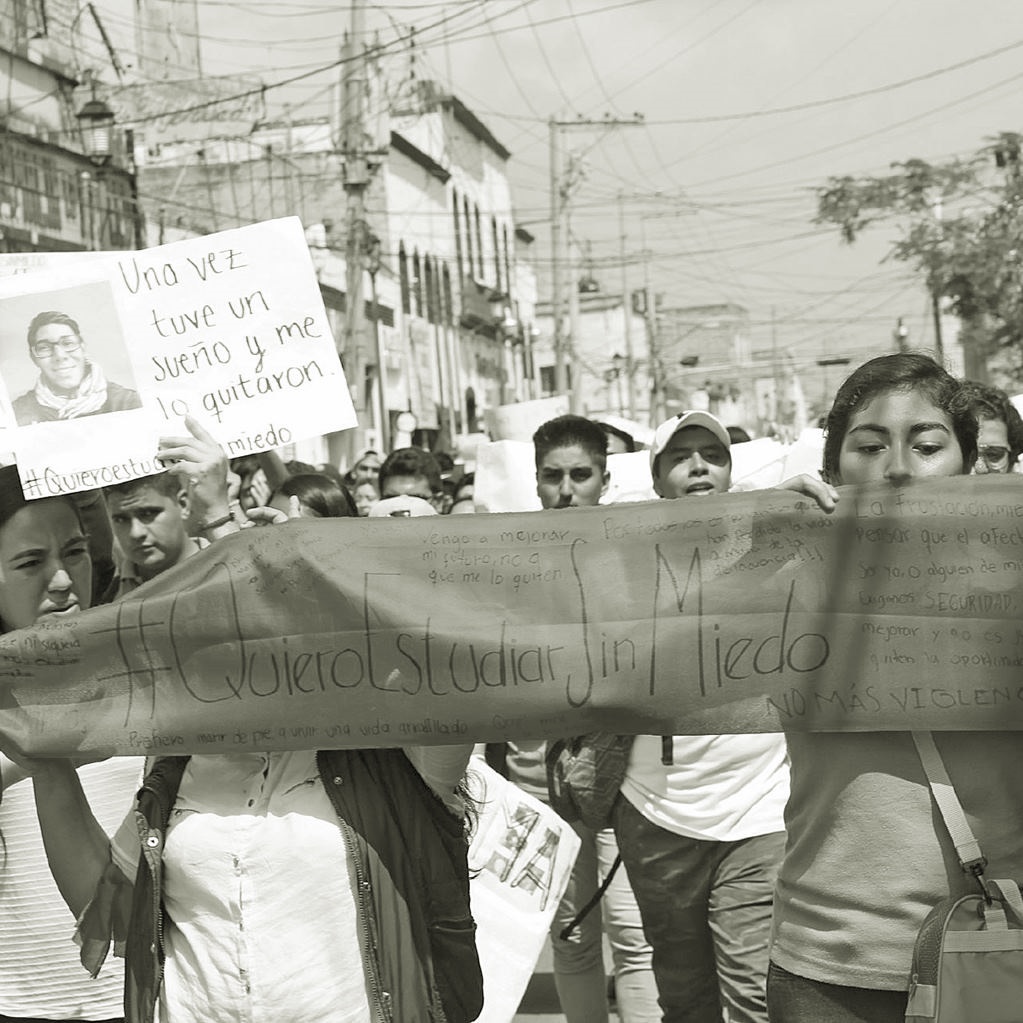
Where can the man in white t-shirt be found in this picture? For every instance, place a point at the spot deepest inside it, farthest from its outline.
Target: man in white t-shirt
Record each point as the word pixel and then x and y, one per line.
pixel 700 827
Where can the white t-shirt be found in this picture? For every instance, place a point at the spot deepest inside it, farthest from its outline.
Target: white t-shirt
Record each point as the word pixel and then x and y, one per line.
pixel 40 972
pixel 721 788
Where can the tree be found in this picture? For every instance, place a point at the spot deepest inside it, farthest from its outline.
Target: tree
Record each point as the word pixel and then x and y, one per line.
pixel 960 223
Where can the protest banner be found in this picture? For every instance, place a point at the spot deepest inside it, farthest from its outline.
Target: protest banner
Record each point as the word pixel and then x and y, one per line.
pixel 229 327
pixel 520 859
pixel 735 613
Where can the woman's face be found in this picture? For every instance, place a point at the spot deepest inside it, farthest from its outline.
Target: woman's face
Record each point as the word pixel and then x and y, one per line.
pixel 994 453
pixel 366 495
pixel 367 469
pixel 63 370
pixel 45 567
pixel 896 437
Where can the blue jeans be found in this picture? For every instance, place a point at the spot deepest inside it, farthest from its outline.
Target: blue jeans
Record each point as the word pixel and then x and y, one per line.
pixel 793 999
pixel 706 909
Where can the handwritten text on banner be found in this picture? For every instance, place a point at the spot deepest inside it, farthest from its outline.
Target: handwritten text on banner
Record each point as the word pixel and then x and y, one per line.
pixel 746 612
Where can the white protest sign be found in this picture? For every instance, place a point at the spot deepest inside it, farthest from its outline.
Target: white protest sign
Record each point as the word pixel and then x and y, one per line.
pixel 229 327
pixel 521 420
pixel 521 857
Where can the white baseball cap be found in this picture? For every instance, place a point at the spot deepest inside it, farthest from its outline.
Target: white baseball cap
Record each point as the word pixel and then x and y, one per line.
pixel 668 429
pixel 402 506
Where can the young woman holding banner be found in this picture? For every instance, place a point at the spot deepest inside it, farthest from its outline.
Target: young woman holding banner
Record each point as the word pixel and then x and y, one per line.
pixel 867 854
pixel 46 572
pixel 325 886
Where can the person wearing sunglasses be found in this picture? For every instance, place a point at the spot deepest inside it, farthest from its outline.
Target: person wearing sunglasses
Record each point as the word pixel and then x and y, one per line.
pixel 70 385
pixel 1000 440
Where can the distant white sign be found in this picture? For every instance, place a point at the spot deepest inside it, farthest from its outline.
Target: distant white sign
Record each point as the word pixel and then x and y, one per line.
pixel 521 420
pixel 103 356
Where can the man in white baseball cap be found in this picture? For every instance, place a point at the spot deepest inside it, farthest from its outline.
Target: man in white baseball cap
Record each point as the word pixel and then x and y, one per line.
pixel 691 456
pixel 401 506
pixel 700 826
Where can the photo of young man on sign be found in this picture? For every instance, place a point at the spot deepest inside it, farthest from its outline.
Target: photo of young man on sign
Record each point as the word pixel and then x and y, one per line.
pixel 70 368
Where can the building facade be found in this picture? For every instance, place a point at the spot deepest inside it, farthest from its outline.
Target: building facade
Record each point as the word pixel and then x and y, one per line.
pixel 53 196
pixel 450 294
pixel 602 332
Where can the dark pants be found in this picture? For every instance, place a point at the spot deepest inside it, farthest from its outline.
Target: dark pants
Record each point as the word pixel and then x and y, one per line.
pixel 706 909
pixel 33 1019
pixel 792 999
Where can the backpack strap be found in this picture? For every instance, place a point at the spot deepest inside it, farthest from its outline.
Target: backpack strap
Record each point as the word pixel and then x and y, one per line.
pixel 566 931
pixel 971 859
pixel 1009 895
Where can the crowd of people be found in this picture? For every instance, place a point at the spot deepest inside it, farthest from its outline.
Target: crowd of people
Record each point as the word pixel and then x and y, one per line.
pixel 777 877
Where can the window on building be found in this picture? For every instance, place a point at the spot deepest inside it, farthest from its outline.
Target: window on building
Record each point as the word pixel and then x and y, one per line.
pixel 470 269
pixel 428 283
pixel 406 299
pixel 71 196
pixel 457 222
pixel 449 308
pixel 479 244
pixel 548 379
pixel 497 254
pixel 417 283
pixel 507 260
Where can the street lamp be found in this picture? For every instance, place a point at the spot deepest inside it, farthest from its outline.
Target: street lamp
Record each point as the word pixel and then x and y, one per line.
pixel 96 120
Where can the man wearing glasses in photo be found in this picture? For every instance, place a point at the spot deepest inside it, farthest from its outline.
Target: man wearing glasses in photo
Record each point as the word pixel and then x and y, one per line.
pixel 69 384
pixel 1000 439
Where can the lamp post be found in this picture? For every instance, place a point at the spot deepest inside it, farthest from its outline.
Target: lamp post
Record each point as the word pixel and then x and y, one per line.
pixel 96 121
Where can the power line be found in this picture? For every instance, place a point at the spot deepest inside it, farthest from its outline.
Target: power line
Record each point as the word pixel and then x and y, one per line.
pixel 848 97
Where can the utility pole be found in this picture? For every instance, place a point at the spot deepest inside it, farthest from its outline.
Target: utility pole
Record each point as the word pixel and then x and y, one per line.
pixel 630 360
pixel 560 196
pixel 560 376
pixel 356 181
pixel 657 409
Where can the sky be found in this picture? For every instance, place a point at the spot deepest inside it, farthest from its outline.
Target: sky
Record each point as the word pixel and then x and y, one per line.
pixel 747 107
